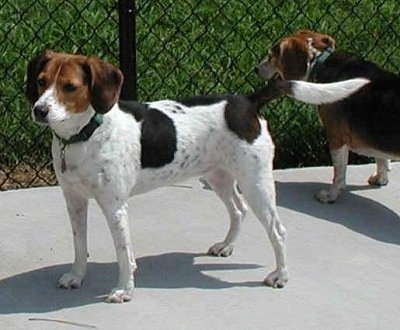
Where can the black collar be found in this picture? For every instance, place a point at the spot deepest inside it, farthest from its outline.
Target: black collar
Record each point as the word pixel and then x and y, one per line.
pixel 85 133
pixel 318 61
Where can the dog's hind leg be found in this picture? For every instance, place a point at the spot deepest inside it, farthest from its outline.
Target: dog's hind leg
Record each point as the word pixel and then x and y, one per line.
pixel 77 209
pixel 381 176
pixel 258 188
pixel 225 186
pixel 340 158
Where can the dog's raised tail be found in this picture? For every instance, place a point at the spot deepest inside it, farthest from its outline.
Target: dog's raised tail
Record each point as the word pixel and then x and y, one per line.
pixel 316 93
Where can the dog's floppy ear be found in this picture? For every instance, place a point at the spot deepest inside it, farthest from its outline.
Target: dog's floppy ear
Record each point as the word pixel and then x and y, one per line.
pixel 105 82
pixel 319 40
pixel 35 66
pixel 293 57
pixel 323 41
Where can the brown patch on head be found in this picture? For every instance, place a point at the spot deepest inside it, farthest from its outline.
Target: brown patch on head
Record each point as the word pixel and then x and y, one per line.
pixel 289 56
pixel 319 41
pixel 72 84
pixel 78 81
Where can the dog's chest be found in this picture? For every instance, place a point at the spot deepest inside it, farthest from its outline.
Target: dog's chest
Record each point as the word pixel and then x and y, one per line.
pixel 112 154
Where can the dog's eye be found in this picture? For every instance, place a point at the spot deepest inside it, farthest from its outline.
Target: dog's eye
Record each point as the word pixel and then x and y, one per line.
pixel 41 82
pixel 68 87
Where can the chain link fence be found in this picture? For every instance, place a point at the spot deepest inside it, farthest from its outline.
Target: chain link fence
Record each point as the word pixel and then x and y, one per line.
pixel 183 48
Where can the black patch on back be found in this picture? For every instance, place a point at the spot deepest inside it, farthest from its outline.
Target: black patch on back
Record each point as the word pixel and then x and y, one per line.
pixel 203 100
pixel 241 112
pixel 134 108
pixel 158 134
pixel 158 139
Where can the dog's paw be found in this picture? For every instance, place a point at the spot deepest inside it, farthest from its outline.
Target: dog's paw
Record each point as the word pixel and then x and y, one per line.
pixel 378 180
pixel 327 196
pixel 70 281
pixel 221 249
pixel 119 295
pixel 277 279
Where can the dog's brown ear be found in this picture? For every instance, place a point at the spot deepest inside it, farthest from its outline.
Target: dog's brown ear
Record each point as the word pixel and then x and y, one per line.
pixel 323 41
pixel 293 59
pixel 105 82
pixel 319 41
pixel 35 66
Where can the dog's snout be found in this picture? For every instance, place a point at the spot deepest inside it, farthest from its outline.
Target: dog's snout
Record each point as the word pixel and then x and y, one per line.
pixel 40 112
pixel 256 69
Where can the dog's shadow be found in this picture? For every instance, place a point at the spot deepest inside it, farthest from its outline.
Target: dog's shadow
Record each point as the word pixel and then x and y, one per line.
pixel 36 292
pixel 360 214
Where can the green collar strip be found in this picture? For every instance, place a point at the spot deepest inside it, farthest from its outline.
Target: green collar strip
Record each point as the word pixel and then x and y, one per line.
pixel 85 133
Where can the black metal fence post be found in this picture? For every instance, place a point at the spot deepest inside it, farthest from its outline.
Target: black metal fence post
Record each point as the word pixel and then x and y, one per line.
pixel 127 47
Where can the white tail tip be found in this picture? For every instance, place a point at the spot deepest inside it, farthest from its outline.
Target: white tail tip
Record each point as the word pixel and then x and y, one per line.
pixel 316 93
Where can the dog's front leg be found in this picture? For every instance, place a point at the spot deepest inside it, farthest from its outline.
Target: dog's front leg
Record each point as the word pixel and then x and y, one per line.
pixel 340 158
pixel 118 222
pixel 77 208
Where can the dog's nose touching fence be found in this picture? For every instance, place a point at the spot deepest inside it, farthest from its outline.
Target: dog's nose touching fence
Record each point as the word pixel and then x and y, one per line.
pixel 173 49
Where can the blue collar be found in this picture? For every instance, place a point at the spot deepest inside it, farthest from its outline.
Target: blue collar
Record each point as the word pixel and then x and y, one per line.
pixel 317 62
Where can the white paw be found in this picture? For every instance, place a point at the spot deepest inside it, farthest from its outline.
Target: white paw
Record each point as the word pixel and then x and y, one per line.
pixel 70 281
pixel 119 295
pixel 277 279
pixel 221 249
pixel 378 180
pixel 327 195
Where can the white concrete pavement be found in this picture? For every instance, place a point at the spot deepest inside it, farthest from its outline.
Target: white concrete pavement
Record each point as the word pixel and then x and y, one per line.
pixel 344 260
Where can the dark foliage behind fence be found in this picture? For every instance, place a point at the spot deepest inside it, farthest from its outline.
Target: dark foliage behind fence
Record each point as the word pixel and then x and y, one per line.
pixel 183 48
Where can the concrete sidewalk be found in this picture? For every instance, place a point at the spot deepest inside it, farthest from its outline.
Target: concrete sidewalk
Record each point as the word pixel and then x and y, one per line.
pixel 344 260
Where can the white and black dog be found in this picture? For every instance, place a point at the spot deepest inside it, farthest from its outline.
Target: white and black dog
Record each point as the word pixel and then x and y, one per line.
pixel 109 150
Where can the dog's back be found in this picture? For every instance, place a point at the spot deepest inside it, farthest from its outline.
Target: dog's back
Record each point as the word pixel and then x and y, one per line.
pixel 342 65
pixel 373 113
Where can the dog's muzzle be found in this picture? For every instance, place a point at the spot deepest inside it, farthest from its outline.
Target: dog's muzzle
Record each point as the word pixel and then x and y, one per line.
pixel 264 71
pixel 40 113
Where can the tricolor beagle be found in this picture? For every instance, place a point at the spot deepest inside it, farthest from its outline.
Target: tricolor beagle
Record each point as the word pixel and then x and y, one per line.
pixel 367 122
pixel 109 150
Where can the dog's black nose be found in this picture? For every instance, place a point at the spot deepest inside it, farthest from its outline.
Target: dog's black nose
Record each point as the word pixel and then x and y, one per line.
pixel 40 112
pixel 256 70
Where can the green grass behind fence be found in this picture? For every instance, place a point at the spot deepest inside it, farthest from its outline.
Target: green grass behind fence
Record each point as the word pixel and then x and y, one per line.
pixel 185 48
